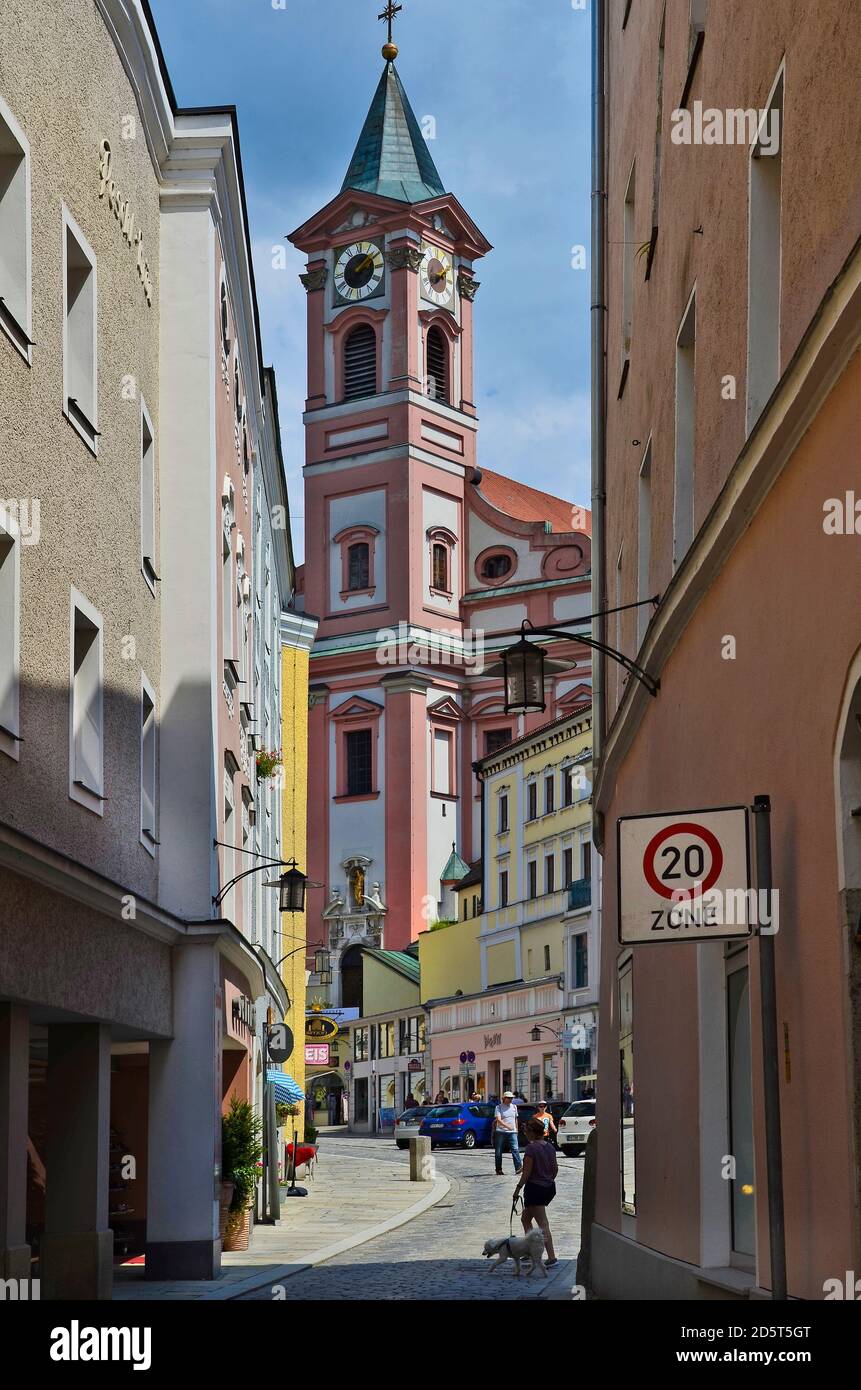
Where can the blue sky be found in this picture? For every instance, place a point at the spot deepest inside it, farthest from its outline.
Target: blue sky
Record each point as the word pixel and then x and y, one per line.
pixel 507 82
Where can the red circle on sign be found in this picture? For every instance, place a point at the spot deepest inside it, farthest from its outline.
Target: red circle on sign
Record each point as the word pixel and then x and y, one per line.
pixel 682 828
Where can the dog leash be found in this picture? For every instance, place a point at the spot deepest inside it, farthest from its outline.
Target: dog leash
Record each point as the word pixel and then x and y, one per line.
pixel 517 1200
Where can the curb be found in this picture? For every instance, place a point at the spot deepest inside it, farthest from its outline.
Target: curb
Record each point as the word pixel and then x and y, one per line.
pixel 278 1273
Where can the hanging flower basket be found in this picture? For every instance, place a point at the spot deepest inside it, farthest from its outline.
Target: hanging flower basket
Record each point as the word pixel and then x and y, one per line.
pixel 267 761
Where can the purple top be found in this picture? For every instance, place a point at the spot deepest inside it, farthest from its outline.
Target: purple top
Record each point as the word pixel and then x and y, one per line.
pixel 544 1165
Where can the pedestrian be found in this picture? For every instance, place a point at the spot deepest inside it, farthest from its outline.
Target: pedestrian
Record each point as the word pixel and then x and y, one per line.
pixel 538 1183
pixel 548 1123
pixel 504 1132
pixel 440 1098
pixel 410 1103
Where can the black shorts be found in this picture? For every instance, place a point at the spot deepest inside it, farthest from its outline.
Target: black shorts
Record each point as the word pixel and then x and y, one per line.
pixel 538 1194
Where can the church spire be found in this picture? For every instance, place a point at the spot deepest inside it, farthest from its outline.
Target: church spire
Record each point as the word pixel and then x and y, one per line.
pixel 392 157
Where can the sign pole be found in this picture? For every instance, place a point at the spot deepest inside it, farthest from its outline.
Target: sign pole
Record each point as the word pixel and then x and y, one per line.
pixel 770 1056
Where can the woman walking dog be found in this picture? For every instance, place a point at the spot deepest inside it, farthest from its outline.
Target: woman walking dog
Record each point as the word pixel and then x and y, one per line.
pixel 538 1183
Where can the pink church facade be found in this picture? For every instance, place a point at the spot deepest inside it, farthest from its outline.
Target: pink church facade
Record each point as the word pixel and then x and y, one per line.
pixel 420 566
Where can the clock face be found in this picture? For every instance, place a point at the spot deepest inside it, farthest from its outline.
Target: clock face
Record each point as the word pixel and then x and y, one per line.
pixel 437 276
pixel 358 270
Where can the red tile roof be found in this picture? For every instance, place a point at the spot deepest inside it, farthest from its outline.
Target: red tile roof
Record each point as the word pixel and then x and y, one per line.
pixel 528 504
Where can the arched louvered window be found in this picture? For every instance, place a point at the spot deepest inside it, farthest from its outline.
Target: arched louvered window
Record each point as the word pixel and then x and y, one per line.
pixel 360 362
pixel 437 365
pixel 359 566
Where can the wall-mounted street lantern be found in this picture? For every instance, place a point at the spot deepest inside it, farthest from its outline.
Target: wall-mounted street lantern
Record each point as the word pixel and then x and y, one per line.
pixel 292 887
pixel 523 664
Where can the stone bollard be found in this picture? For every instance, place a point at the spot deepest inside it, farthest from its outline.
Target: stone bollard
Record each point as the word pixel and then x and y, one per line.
pixel 420 1159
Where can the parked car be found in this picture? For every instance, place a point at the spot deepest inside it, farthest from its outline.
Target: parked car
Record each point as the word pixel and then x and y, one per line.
pixel 526 1110
pixel 466 1124
pixel 576 1125
pixel 407 1124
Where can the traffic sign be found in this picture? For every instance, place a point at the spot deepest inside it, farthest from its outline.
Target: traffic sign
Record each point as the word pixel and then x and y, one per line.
pixel 280 1042
pixel 684 876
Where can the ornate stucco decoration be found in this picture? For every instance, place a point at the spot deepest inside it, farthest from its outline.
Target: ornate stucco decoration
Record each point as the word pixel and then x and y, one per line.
pixel 401 257
pixel 315 279
pixel 467 284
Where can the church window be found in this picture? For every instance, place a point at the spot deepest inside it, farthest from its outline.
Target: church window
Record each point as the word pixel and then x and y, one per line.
pixel 360 362
pixel 440 567
pixel 359 566
pixel 359 762
pixel 495 566
pixel 437 365
pixel 494 739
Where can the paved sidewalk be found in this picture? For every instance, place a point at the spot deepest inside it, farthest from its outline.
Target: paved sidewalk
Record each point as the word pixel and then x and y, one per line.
pixel 352 1198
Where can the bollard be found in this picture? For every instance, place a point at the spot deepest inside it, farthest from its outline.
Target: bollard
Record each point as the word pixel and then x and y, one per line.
pixel 587 1216
pixel 420 1159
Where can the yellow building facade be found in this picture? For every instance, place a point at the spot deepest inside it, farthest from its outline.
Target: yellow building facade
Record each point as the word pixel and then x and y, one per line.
pixel 297 637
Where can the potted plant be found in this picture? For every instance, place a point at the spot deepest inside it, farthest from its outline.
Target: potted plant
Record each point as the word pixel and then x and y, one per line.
pixel 267 761
pixel 241 1148
pixel 285 1112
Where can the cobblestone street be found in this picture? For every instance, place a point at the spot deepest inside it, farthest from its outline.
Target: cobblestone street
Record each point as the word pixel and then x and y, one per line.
pixel 438 1255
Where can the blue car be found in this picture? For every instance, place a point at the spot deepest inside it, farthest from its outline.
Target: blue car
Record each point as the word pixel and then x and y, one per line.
pixel 467 1124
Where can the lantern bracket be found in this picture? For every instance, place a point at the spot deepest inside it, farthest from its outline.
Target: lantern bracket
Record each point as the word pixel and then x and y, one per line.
pixel 652 683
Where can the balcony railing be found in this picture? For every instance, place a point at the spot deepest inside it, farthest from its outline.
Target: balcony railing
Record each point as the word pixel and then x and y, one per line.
pixel 579 893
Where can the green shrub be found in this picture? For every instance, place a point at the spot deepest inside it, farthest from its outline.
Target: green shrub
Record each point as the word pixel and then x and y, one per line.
pixel 241 1132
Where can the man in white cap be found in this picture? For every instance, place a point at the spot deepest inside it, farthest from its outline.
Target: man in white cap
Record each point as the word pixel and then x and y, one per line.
pixel 505 1132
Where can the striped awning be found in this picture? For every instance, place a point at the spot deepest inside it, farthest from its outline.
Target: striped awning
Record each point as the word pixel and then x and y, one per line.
pixel 287 1091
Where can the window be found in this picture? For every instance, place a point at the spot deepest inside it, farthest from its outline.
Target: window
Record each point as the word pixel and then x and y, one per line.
pixel 580 972
pixel 14 232
pixel 359 762
pixel 521 1072
pixel 568 867
pixel 532 801
pixel 549 873
pixel 532 879
pixel 547 965
pixel 587 859
pixel 494 739
pixel 86 728
pixel 440 568
pixel 360 362
pixel 79 333
pixel 644 541
pixel 360 1044
pixel 495 566
pixel 696 36
pixel 567 786
pixel 503 812
pixel 475 905
pixel 148 766
pixel 358 566
pixel 443 763
pixel 225 319
pixel 227 849
pixel 227 602
pixel 683 504
pixel 386 1039
pixel 437 365
pixel 617 621
pixel 629 260
pixel 763 258
pixel 147 497
pixel 10 602
pixel 503 888
pixel 549 794
pixel 412 1035
pixel 656 175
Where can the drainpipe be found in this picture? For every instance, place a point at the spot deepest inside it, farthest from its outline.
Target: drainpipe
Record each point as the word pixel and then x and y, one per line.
pixel 599 388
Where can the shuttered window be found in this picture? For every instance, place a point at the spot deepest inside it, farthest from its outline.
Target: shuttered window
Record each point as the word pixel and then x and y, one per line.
pixel 360 362
pixel 437 365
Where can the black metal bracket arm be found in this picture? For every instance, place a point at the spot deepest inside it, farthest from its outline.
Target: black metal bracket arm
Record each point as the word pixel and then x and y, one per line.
pixel 652 683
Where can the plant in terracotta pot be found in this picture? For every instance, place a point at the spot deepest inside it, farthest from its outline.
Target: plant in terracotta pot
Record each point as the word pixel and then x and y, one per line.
pixel 241 1148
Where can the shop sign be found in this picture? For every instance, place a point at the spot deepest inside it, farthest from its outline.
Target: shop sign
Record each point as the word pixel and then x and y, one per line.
pixel 243 1013
pixel 492 1040
pixel 120 207
pixel 319 1028
pixel 414 1064
pixel 317 1054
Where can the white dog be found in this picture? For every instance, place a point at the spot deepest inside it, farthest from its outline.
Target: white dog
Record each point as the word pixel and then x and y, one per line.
pixel 517 1248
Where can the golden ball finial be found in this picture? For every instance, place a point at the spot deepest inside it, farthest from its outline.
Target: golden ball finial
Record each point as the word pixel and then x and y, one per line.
pixel 390 52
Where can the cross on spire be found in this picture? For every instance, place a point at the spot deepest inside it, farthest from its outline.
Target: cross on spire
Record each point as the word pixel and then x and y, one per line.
pixel 389 14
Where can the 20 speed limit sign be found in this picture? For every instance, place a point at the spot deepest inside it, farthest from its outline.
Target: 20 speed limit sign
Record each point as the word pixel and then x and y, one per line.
pixel 684 876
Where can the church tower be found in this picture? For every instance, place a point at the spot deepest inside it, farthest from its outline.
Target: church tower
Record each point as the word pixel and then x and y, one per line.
pixel 401 534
